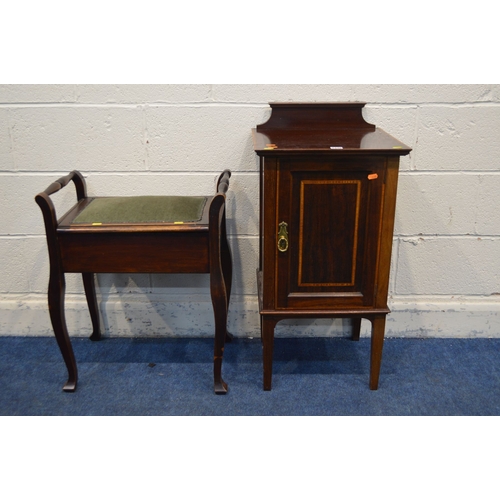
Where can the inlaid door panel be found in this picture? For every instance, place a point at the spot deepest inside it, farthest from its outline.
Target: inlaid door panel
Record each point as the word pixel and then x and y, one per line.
pixel 331 214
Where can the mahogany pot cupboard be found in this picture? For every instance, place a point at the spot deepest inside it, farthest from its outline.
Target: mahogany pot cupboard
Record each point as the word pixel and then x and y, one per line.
pixel 328 184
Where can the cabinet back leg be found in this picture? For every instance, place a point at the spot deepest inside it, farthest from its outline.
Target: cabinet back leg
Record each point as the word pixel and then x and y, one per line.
pixel 356 328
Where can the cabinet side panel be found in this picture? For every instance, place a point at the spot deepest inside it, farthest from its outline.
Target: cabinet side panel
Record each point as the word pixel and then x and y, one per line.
pixel 386 231
pixel 269 172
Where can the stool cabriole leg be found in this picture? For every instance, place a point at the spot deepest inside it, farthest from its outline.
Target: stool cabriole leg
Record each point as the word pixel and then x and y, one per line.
pixel 57 287
pixel 90 293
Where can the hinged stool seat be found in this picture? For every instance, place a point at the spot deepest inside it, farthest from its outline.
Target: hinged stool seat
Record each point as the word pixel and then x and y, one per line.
pixel 142 210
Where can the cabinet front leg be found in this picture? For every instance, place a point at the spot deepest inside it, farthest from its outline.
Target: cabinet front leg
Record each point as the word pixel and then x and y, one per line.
pixel 268 325
pixel 377 344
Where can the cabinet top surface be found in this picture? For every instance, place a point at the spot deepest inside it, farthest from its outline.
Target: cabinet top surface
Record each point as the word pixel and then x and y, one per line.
pixel 330 128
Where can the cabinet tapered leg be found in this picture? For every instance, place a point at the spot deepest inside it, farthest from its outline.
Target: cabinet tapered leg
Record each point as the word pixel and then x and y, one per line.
pixel 57 287
pixel 377 344
pixel 356 328
pixel 89 286
pixel 267 331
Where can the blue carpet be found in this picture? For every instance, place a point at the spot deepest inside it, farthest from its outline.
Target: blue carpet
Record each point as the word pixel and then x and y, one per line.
pixel 312 376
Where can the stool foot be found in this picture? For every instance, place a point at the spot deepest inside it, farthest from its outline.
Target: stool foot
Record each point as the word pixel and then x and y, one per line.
pixel 70 385
pixel 229 336
pixel 220 387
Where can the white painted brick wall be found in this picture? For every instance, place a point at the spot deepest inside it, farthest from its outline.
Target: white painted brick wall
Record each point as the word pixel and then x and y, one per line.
pixel 98 139
pixel 164 139
pixel 458 138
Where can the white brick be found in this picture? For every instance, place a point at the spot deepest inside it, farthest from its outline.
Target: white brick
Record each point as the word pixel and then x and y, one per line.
pixel 398 122
pixel 20 213
pixel 283 93
pixel 245 262
pixel 21 315
pixel 487 213
pixel 6 156
pixel 6 161
pixel 401 94
pixel 242 209
pixel 243 93
pixel 458 138
pixel 83 138
pixel 95 94
pixel 150 183
pixel 435 317
pixel 385 94
pixel 14 266
pixel 5 143
pixel 444 204
pixel 23 94
pixel 450 266
pixel 201 138
pixel 36 259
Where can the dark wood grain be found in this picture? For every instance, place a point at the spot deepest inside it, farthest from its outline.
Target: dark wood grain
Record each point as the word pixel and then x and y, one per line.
pixel 303 128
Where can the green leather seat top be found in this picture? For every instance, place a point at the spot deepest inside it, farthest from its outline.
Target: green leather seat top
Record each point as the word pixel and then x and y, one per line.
pixel 142 209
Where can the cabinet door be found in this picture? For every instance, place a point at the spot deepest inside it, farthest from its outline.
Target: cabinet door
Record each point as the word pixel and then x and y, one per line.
pixel 332 215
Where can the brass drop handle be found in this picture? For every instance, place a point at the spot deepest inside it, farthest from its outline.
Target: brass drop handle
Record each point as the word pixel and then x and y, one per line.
pixel 283 237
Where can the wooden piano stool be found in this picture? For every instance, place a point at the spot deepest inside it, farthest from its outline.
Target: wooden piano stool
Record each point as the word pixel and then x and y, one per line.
pixel 136 234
